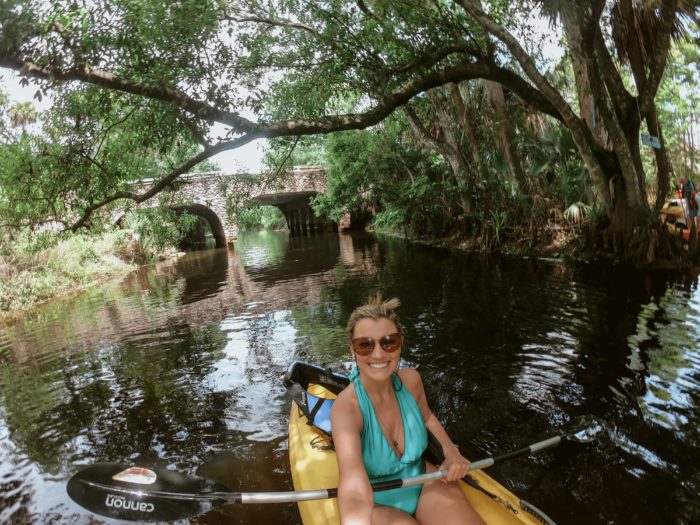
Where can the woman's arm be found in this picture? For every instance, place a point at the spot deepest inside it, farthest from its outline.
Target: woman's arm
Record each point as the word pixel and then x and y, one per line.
pixel 355 497
pixel 455 464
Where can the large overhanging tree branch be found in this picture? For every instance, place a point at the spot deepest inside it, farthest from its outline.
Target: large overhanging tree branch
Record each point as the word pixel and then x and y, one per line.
pixel 98 77
pixel 328 124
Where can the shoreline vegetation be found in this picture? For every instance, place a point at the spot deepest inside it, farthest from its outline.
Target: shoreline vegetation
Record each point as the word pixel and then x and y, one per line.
pixel 35 269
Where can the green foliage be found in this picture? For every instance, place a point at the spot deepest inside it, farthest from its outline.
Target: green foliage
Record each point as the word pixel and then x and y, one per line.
pixel 36 267
pixel 679 100
pixel 498 220
pixel 302 151
pixel 577 212
pixel 254 216
pixel 556 167
pixel 381 172
pixel 22 115
pixel 393 219
pixel 91 144
pixel 158 228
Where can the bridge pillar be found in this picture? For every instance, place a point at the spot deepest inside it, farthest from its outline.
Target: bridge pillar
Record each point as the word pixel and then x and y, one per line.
pixel 294 226
pixel 302 221
pixel 298 222
pixel 304 212
pixel 313 223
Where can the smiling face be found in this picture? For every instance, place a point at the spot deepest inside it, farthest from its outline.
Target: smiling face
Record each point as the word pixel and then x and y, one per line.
pixel 379 364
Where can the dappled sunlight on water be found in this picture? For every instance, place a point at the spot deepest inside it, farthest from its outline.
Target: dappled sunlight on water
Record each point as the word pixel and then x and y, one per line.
pixel 665 353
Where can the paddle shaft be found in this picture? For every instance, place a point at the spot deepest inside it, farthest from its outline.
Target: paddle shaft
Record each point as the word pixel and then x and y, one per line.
pixel 308 495
pixel 525 451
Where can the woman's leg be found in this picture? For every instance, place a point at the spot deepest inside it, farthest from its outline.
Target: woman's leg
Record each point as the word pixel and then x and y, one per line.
pixel 444 504
pixel 382 515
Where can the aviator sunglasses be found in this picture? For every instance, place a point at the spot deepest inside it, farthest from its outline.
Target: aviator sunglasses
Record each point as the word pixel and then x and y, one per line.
pixel 365 345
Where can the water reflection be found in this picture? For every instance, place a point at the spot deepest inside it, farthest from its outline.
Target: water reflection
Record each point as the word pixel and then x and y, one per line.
pixel 179 366
pixel 205 274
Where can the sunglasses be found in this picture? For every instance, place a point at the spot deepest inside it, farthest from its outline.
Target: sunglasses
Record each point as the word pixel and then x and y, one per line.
pixel 365 345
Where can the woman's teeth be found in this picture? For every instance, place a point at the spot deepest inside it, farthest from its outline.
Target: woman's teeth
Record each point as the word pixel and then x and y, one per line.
pixel 379 365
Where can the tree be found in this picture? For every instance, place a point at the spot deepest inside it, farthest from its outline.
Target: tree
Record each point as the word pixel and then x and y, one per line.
pixel 285 69
pixel 22 115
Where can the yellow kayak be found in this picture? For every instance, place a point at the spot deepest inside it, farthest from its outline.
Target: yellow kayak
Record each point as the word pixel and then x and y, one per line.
pixel 313 463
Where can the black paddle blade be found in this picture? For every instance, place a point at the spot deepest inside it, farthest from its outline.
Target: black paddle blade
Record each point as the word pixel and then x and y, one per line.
pixel 161 495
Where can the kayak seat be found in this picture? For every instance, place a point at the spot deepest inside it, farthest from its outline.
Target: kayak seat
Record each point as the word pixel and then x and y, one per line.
pixel 319 403
pixel 319 409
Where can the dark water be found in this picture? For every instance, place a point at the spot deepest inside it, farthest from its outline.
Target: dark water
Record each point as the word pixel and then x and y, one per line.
pixel 179 367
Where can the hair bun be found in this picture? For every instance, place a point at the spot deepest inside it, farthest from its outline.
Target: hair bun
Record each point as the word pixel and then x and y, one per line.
pixel 389 304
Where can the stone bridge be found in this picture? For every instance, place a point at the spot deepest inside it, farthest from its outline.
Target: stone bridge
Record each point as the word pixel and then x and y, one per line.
pixel 204 195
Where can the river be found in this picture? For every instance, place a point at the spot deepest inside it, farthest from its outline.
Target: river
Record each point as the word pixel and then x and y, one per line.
pixel 179 366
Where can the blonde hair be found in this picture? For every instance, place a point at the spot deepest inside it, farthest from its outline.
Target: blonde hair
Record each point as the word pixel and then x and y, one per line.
pixel 375 308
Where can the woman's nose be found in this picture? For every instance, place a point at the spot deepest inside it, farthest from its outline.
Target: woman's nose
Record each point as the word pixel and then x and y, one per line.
pixel 377 346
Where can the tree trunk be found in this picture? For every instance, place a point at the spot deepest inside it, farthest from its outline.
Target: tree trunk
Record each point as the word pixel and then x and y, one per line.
pixel 589 113
pixel 454 158
pixel 504 128
pixel 468 127
pixel 612 101
pixel 636 60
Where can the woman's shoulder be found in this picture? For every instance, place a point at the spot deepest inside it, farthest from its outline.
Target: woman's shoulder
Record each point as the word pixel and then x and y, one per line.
pixel 346 407
pixel 409 375
pixel 346 400
pixel 411 378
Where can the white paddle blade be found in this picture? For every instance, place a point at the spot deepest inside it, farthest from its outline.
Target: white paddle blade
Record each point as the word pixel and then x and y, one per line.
pixel 587 434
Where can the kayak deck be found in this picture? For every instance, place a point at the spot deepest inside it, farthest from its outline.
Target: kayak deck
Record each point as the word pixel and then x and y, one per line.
pixel 314 466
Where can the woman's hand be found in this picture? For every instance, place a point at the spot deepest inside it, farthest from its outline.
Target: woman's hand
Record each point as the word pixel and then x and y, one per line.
pixel 455 465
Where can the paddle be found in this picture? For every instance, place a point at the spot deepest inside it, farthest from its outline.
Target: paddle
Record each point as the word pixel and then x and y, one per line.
pixel 139 494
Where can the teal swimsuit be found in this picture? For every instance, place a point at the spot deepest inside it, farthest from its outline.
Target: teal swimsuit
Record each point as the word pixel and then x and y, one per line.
pixel 380 459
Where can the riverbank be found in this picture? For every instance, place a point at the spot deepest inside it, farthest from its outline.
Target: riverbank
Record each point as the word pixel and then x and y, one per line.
pixel 574 243
pixel 560 242
pixel 36 269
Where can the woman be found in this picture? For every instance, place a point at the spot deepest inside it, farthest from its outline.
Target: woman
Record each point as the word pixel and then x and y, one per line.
pixel 379 430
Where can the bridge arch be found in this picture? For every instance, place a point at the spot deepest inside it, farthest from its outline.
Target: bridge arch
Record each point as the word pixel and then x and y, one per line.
pixel 209 215
pixel 296 208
